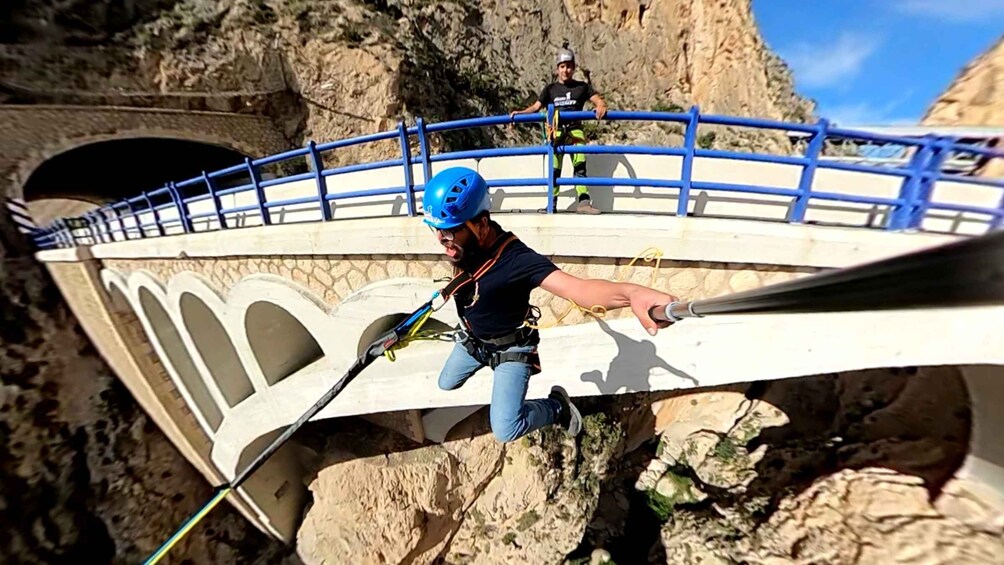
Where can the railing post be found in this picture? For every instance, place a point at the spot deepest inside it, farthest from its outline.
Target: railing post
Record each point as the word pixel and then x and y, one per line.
pixel 549 173
pixel 118 217
pixel 423 147
pixel 929 177
pixel 99 225
pixel 85 221
pixel 322 186
pixel 71 235
pixel 92 229
pixel 259 192
pixel 156 215
pixel 135 220
pixel 179 203
pixel 997 221
pixel 812 152
pixel 103 217
pixel 61 233
pixel 900 217
pixel 687 170
pixel 221 219
pixel 409 185
pixel 71 232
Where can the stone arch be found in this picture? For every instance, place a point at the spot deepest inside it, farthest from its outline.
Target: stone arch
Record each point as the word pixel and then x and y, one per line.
pixel 301 306
pixel 281 344
pixel 177 355
pixel 167 339
pixel 217 350
pixel 48 131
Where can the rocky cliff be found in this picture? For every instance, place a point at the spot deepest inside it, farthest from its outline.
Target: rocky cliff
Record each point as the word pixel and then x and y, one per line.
pixel 976 97
pixel 848 468
pixel 84 474
pixel 358 66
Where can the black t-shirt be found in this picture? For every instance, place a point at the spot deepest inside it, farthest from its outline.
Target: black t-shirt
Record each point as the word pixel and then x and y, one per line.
pixel 568 97
pixel 497 303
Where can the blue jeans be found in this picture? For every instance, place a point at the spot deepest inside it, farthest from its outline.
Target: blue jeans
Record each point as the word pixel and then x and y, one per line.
pixel 512 416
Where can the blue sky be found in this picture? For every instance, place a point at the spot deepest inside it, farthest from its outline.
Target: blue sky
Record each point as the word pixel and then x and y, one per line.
pixel 868 62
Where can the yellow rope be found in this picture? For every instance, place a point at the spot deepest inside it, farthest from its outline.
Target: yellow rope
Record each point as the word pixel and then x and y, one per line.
pixel 650 255
pixel 187 527
pixel 413 335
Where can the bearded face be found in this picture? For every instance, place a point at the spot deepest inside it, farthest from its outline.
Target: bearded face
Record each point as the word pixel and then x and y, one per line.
pixel 462 244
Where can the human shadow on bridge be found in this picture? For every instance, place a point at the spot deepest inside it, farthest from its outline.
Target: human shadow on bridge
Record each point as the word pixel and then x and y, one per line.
pixel 631 368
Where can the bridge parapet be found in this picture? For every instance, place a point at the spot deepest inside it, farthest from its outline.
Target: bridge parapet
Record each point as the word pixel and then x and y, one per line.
pixel 695 179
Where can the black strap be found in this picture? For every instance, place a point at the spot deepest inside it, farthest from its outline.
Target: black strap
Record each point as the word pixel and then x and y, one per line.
pixel 464 277
pixel 531 358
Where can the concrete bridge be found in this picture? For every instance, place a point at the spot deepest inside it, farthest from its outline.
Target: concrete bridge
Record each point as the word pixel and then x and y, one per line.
pixel 227 335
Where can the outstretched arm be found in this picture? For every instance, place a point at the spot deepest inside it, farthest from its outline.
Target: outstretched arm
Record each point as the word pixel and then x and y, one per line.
pixel 610 295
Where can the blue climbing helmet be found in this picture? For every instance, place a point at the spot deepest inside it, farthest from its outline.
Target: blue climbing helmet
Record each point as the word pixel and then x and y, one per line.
pixel 454 196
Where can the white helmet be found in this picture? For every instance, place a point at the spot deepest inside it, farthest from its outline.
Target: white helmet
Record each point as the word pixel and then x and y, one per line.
pixel 565 55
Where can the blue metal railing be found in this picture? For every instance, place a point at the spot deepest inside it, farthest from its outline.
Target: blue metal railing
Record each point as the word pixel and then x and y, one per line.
pixel 143 216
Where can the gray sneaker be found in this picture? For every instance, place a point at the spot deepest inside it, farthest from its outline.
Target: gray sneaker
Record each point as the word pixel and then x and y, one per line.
pixel 586 207
pixel 569 417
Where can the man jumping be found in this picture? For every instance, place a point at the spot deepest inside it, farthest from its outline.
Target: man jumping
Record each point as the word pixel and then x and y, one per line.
pixel 494 304
pixel 569 95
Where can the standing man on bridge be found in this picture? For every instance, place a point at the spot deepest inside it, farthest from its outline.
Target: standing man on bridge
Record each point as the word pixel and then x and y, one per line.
pixel 494 274
pixel 568 95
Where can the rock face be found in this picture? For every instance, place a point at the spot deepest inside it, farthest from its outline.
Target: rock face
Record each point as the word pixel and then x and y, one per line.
pixel 848 468
pixel 359 66
pixel 469 500
pixel 976 97
pixel 84 475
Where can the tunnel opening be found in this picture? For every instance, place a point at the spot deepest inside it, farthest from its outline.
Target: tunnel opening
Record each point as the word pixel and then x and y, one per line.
pixel 111 170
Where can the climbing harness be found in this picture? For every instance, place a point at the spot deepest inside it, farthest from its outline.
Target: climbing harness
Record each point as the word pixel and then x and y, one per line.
pixel 460 280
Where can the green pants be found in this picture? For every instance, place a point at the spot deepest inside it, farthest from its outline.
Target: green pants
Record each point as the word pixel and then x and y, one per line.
pixel 574 137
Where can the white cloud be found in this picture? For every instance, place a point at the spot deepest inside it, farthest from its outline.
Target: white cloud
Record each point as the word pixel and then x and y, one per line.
pixel 867 114
pixel 861 114
pixel 830 63
pixel 971 11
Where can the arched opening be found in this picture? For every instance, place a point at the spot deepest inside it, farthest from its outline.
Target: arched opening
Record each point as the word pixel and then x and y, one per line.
pixel 120 304
pixel 277 487
pixel 123 168
pixel 177 355
pixel 280 343
pixel 216 348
